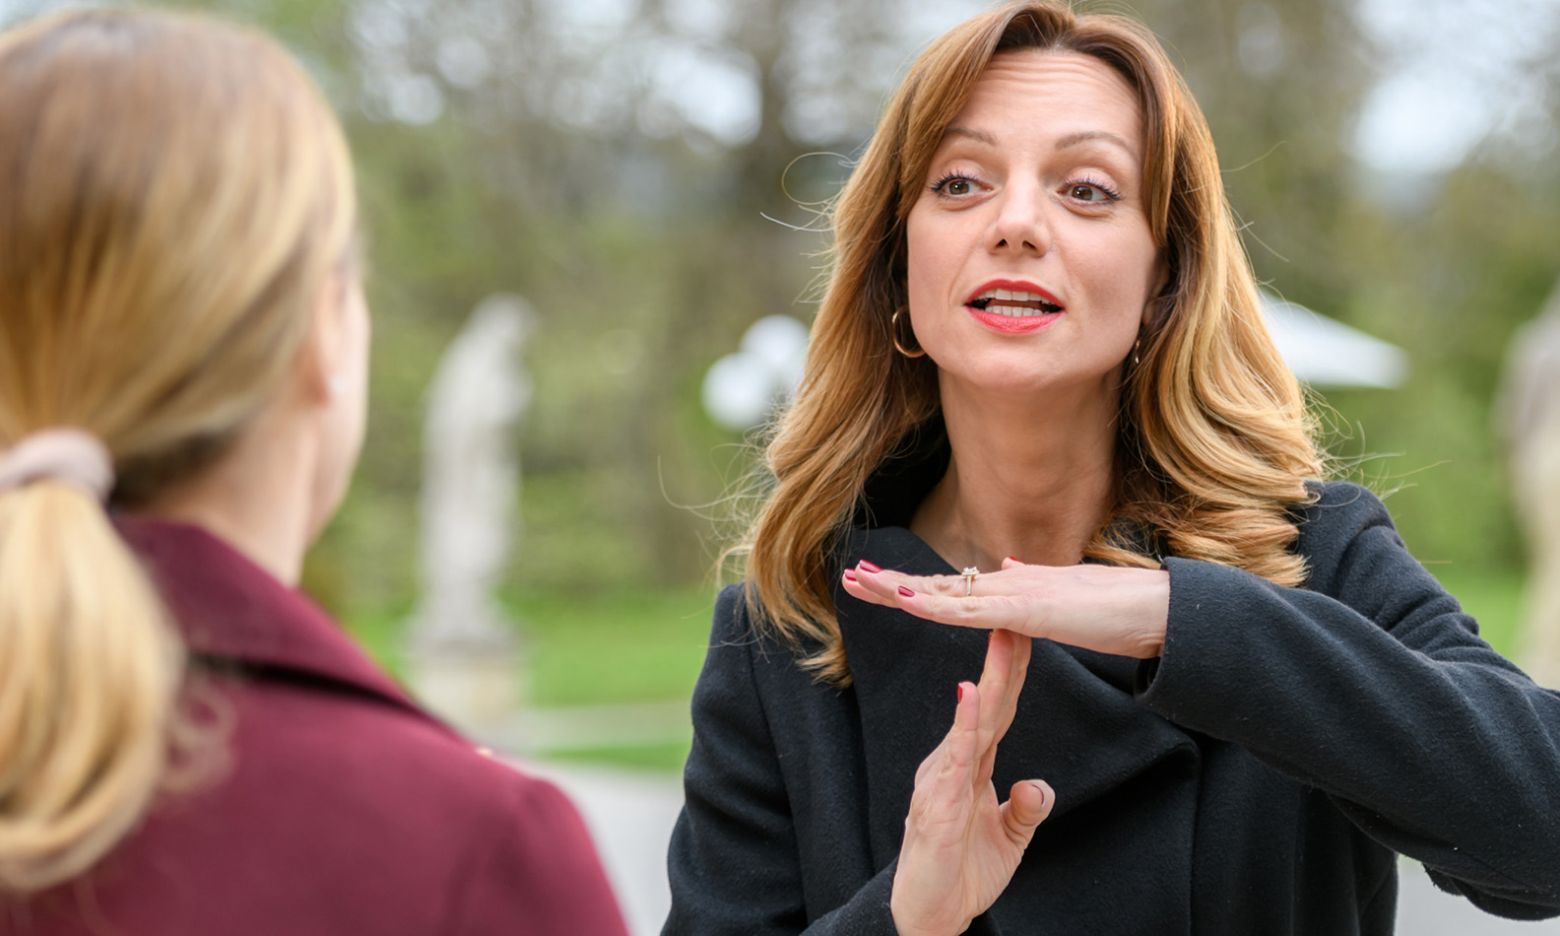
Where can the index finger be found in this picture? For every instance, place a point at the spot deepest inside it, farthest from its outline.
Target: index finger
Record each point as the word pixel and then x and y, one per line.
pixel 886 582
pixel 960 749
pixel 995 676
pixel 1003 708
pixel 984 612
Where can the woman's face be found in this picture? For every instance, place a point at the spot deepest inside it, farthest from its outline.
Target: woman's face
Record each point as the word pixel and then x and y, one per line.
pixel 1031 263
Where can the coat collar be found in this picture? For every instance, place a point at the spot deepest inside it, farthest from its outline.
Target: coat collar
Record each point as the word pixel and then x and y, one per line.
pixel 231 611
pixel 1078 726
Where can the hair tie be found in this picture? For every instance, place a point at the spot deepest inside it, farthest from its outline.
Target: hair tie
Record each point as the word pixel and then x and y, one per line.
pixel 69 455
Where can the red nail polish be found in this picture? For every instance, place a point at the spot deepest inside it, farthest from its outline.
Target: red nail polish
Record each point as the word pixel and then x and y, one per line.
pixel 905 592
pixel 961 692
pixel 1012 558
pixel 868 567
pixel 850 575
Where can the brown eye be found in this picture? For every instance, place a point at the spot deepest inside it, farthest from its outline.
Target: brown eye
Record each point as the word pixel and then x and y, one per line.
pixel 1089 192
pixel 954 185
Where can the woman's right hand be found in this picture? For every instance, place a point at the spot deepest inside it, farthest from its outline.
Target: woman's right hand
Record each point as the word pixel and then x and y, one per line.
pixel 961 846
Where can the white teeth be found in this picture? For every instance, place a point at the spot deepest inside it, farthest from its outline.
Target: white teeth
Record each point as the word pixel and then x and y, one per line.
pixel 1009 295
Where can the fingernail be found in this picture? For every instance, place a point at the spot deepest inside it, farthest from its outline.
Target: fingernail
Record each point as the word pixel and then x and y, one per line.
pixel 1012 558
pixel 850 575
pixel 866 566
pixel 1041 789
pixel 905 592
pixel 961 692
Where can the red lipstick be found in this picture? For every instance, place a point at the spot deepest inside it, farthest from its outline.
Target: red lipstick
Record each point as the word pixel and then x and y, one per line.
pixel 1014 307
pixel 1015 286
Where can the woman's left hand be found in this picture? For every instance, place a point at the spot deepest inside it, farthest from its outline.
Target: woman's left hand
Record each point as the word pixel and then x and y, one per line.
pixel 1109 609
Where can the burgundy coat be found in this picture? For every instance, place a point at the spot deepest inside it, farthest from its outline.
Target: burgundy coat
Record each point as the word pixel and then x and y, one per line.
pixel 344 810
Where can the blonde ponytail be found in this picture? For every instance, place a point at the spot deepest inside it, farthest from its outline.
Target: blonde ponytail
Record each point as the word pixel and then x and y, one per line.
pixel 89 671
pixel 178 196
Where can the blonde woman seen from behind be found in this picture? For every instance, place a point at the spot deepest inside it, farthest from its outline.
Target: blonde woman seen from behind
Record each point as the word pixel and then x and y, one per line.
pixel 187 744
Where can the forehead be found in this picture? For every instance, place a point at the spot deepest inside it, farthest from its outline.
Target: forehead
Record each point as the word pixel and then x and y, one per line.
pixel 1056 92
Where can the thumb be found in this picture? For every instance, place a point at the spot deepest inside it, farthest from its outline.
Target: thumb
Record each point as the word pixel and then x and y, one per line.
pixel 1028 805
pixel 1010 563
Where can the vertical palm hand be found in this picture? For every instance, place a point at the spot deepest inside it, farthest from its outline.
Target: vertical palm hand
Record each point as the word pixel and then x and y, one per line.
pixel 961 846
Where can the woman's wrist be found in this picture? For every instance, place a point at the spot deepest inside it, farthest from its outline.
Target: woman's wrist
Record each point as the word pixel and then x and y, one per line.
pixel 1155 611
pixel 903 927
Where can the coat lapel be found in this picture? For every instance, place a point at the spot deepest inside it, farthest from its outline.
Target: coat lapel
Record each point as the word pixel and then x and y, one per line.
pixel 230 611
pixel 1077 727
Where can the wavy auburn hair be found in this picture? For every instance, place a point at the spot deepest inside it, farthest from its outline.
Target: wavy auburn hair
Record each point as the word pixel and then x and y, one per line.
pixel 1214 444
pixel 177 198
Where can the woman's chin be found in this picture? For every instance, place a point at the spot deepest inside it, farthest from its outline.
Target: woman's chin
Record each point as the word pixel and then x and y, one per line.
pixel 1037 381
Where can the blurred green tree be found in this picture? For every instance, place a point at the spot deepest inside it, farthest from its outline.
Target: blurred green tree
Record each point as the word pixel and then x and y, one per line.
pixel 617 163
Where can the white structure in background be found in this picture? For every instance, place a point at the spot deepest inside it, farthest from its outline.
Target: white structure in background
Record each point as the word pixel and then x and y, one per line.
pixel 464 662
pixel 740 389
pixel 1326 353
pixel 1529 419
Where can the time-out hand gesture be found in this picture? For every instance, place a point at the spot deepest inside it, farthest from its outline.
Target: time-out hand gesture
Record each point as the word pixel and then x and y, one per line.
pixel 1108 609
pixel 961 846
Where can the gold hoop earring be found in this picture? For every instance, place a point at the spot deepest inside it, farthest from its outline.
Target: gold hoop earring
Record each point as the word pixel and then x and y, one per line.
pixel 1136 359
pixel 893 325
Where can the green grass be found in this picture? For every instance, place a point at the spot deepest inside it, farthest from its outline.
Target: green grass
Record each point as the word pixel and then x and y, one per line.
pixel 592 648
pixel 596 648
pixel 614 647
pixel 664 757
pixel 1493 598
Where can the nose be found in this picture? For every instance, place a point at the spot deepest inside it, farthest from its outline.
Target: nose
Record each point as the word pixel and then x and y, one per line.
pixel 1020 224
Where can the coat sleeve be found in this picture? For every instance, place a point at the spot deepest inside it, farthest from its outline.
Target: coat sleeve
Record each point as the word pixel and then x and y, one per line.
pixel 537 872
pixel 1371 685
pixel 734 864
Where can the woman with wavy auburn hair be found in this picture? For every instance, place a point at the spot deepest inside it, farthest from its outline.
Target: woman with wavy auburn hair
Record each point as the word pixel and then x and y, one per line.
pixel 1221 682
pixel 187 744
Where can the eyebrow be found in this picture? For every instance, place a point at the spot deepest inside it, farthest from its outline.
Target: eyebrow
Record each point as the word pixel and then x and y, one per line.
pixel 1085 136
pixel 1071 139
pixel 979 136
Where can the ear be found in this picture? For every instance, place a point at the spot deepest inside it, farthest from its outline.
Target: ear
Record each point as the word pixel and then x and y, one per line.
pixel 323 358
pixel 1156 306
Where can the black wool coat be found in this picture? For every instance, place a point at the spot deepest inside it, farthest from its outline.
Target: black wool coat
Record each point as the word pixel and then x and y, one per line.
pixel 1257 779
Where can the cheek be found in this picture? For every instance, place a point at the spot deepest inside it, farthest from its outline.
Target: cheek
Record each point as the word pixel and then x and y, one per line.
pixel 932 258
pixel 1120 274
pixel 357 368
pixel 362 336
pixel 917 255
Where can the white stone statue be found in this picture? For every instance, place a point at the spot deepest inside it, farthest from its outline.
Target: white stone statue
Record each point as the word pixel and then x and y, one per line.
pixel 464 659
pixel 1530 418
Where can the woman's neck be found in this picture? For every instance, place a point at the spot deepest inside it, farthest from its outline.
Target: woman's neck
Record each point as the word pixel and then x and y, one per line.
pixel 256 498
pixel 1027 478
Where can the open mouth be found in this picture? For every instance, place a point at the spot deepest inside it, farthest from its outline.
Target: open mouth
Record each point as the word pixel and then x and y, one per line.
pixel 1014 303
pixel 1014 307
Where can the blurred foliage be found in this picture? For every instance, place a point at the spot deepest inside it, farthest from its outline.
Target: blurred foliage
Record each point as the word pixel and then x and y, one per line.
pixel 606 646
pixel 585 157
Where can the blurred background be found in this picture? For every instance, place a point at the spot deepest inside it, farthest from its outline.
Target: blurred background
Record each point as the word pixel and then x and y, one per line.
pixel 646 174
